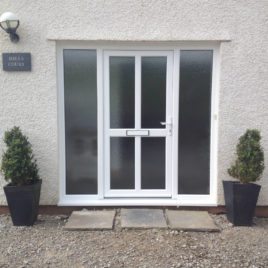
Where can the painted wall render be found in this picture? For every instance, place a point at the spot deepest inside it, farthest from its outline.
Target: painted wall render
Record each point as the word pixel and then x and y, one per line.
pixel 29 99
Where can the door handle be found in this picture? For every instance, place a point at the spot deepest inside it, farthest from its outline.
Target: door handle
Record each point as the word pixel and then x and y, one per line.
pixel 168 124
pixel 165 123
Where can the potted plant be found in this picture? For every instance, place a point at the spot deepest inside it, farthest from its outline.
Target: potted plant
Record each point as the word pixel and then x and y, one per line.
pixel 241 197
pixel 21 172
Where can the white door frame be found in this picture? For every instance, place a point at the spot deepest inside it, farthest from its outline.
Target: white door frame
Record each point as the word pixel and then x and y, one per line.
pixel 160 132
pixel 175 200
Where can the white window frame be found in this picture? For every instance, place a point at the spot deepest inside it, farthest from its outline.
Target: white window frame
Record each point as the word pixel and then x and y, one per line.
pixel 175 200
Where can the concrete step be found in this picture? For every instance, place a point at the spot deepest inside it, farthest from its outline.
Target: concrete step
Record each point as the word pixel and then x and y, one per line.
pixel 142 218
pixel 91 220
pixel 191 221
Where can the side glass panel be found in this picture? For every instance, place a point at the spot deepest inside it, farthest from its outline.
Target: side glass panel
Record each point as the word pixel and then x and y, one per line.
pixel 122 90
pixel 153 163
pixel 80 103
pixel 122 168
pixel 153 88
pixel 194 121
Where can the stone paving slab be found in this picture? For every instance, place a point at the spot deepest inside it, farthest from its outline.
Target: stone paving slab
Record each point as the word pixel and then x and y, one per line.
pixel 191 221
pixel 91 220
pixel 142 218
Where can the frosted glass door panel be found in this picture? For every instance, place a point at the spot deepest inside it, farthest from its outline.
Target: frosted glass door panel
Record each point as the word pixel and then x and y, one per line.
pixel 135 93
pixel 153 88
pixel 122 163
pixel 122 92
pixel 153 163
pixel 80 104
pixel 194 121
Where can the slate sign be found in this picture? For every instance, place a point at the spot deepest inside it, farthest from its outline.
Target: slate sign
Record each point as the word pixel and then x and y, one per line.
pixel 16 62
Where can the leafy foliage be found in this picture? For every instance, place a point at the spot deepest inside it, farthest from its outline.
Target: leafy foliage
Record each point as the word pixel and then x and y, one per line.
pixel 18 164
pixel 249 164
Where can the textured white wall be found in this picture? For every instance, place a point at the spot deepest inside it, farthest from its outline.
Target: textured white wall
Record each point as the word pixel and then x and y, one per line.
pixel 29 99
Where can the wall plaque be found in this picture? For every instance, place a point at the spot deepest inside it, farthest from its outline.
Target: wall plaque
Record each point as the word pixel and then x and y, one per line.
pixel 16 62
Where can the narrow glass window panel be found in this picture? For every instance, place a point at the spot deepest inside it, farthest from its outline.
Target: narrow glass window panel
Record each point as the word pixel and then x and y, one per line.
pixel 122 155
pixel 153 163
pixel 122 92
pixel 80 103
pixel 194 121
pixel 153 87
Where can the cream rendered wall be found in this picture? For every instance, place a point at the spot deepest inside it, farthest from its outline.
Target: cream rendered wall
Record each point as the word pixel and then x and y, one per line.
pixel 29 99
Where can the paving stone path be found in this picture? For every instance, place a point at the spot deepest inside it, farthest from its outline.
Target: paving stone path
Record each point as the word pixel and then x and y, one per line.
pixel 142 219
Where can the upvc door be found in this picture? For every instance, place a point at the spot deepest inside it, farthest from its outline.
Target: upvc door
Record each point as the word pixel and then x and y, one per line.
pixel 138 123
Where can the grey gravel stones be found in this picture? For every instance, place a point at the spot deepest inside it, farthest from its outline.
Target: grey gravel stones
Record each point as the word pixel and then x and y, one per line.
pixel 47 244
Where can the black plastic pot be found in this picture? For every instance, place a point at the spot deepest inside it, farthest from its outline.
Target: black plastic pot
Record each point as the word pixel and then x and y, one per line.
pixel 23 203
pixel 240 201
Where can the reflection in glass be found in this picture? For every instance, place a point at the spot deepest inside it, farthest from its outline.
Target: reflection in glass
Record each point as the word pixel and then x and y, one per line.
pixel 80 103
pixel 194 121
pixel 153 87
pixel 153 163
pixel 122 92
pixel 122 157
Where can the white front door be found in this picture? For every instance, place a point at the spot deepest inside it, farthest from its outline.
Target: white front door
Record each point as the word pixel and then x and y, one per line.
pixel 138 123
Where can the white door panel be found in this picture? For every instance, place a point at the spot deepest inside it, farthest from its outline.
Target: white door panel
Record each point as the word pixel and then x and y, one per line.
pixel 138 123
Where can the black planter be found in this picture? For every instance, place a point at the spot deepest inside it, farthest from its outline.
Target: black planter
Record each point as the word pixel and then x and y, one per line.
pixel 23 203
pixel 240 201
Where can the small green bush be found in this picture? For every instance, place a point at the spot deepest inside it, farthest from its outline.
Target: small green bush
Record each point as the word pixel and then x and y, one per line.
pixel 249 164
pixel 18 164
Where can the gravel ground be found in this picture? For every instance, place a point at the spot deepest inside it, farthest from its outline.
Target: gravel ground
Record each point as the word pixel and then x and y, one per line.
pixel 46 244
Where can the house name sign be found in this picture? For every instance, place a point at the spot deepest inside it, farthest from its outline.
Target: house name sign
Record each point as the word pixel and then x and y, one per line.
pixel 17 62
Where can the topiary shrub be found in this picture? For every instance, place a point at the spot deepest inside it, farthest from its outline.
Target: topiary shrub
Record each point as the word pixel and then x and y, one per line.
pixel 249 164
pixel 18 164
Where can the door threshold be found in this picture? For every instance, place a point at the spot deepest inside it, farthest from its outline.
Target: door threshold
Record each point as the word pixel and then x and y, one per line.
pixel 85 201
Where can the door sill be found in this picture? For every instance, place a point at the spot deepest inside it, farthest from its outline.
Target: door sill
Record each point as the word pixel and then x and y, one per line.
pixel 179 201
